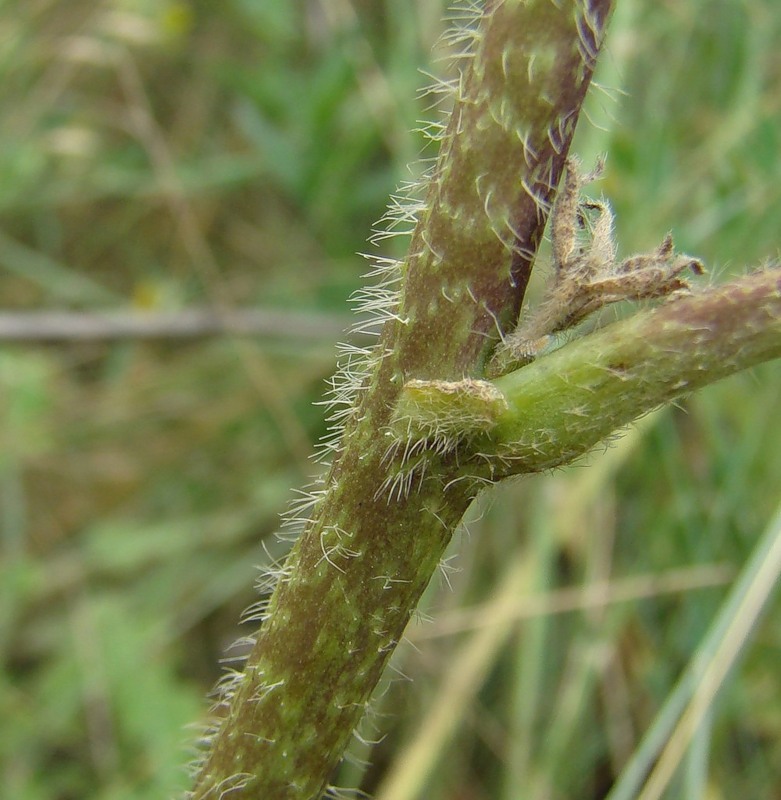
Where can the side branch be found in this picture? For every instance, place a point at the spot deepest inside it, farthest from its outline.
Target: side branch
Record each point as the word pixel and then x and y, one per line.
pixel 563 404
pixel 555 409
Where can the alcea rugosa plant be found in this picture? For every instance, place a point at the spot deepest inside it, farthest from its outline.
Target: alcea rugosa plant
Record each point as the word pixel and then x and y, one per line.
pixel 418 429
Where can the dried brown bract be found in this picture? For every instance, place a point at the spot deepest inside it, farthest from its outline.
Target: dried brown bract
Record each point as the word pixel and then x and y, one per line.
pixel 587 275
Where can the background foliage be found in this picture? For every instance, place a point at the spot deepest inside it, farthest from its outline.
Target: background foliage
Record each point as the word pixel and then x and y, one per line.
pixel 163 155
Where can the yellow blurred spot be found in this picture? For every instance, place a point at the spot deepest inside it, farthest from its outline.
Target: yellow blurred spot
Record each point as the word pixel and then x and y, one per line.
pixel 147 295
pixel 177 19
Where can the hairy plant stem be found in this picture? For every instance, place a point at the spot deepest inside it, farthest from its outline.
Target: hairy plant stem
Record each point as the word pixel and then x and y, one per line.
pixel 558 407
pixel 371 546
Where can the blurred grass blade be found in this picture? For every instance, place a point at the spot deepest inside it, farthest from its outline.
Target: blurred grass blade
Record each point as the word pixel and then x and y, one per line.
pixel 61 282
pixel 709 668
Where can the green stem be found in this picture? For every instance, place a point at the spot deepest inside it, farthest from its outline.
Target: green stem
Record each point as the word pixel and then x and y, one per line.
pixel 374 539
pixel 563 404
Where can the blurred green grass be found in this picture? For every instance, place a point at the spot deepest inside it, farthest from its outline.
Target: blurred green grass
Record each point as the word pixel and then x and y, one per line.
pixel 162 155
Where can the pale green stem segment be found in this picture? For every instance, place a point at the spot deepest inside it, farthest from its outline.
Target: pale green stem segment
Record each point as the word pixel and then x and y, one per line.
pixel 445 413
pixel 377 533
pixel 561 405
